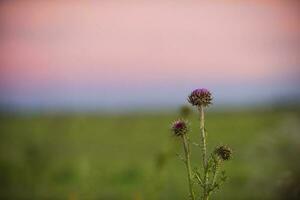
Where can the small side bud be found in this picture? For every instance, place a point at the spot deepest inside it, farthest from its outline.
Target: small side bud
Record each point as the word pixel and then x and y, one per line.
pixel 179 127
pixel 223 152
pixel 200 97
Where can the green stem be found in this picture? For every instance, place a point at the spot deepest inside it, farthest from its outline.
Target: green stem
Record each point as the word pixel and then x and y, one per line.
pixel 215 174
pixel 188 165
pixel 216 170
pixel 204 154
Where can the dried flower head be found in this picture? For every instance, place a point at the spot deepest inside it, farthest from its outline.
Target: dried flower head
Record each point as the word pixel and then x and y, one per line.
pixel 223 152
pixel 179 127
pixel 199 97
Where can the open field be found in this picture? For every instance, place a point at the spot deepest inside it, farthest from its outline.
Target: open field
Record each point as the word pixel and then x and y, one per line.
pixel 133 156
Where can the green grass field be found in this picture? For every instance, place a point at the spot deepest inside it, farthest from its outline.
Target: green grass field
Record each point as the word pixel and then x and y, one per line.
pixel 133 156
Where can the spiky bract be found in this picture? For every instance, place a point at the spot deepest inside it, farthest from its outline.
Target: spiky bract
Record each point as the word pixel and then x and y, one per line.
pixel 200 97
pixel 223 152
pixel 180 127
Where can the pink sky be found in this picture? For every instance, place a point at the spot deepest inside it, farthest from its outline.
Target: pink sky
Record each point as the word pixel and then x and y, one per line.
pixel 62 50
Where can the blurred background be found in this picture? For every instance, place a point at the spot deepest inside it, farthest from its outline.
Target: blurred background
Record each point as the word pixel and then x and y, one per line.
pixel 88 90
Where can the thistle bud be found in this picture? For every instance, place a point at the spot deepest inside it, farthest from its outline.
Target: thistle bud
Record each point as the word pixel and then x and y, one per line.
pixel 223 152
pixel 179 127
pixel 200 97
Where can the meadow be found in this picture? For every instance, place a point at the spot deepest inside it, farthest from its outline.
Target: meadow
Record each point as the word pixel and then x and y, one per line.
pixel 133 156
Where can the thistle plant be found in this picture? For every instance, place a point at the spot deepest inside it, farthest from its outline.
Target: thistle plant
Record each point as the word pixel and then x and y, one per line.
pixel 208 176
pixel 180 129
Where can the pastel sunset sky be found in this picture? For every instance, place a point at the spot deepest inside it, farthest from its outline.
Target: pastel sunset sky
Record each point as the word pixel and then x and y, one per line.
pixel 138 53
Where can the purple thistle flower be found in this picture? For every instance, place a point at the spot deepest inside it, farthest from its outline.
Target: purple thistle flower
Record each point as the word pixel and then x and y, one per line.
pixel 200 97
pixel 179 127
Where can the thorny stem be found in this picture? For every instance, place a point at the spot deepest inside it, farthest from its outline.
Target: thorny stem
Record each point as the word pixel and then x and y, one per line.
pixel 216 171
pixel 188 165
pixel 204 154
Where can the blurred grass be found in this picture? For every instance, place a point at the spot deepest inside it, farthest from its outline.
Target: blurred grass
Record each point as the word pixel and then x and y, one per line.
pixel 89 156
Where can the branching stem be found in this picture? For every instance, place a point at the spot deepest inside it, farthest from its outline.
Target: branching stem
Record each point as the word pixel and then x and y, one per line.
pixel 215 174
pixel 216 171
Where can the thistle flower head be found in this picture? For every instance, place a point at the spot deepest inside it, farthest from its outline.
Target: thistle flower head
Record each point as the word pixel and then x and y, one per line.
pixel 179 127
pixel 223 152
pixel 200 97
